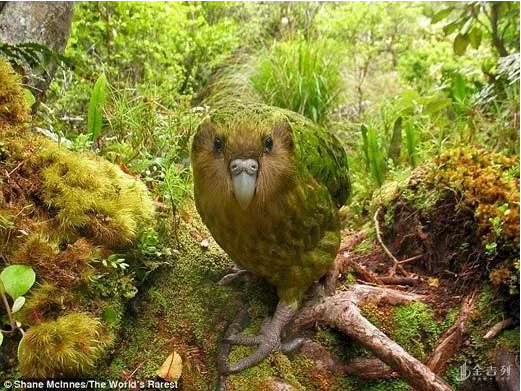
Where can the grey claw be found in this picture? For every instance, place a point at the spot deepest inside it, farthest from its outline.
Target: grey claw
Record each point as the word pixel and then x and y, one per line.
pixel 228 278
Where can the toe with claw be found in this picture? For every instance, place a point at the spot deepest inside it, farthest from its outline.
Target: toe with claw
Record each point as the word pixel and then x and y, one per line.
pixel 267 341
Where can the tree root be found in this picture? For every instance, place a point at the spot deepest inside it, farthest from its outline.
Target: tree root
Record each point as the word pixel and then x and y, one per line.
pixel 324 360
pixel 341 312
pixel 451 340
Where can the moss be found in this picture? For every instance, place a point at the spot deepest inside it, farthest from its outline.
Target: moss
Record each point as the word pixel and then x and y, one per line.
pixel 510 339
pixel 91 196
pixel 488 180
pixel 380 316
pixel 416 329
pixel 489 310
pixel 68 346
pixel 14 111
pixel 355 384
pixel 64 268
pixel 45 302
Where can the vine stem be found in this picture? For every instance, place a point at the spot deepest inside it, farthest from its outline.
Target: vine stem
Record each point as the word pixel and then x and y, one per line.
pixel 8 309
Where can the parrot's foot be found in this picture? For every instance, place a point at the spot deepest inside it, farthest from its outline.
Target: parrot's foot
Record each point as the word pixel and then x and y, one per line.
pixel 236 272
pixel 267 341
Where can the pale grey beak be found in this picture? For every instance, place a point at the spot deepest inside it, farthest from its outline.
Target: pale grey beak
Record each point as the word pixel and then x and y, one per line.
pixel 244 180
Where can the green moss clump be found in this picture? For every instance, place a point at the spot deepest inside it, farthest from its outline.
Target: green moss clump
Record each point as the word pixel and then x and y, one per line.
pixel 92 196
pixel 68 346
pixel 13 106
pixel 416 329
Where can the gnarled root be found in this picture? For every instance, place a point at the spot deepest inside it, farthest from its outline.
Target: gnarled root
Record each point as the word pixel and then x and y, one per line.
pixel 341 312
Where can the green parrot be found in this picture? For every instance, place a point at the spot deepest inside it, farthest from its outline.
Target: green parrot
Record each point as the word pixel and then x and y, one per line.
pixel 268 184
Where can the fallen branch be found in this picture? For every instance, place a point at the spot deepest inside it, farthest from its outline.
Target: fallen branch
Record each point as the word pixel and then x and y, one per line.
pixel 451 340
pixel 341 312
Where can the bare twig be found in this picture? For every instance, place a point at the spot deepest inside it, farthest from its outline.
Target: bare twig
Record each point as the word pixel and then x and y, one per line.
pixel 498 327
pixel 384 247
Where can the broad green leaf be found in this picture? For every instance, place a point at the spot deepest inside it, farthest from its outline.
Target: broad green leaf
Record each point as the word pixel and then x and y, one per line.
pixel 18 304
pixel 440 15
pixel 459 90
pixel 450 27
pixel 1 338
pixel 97 101
pixel 29 97
pixel 475 36
pixel 17 280
pixel 460 44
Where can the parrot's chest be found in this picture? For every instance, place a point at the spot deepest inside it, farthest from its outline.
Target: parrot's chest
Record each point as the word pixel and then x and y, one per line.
pixel 276 240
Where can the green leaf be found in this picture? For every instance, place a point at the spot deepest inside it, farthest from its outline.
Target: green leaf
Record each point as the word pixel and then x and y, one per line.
pixel 437 104
pixel 410 138
pixel 460 44
pixel 18 304
pixel 29 97
pixel 440 15
pixel 95 113
pixel 110 315
pixel 1 338
pixel 450 27
pixel 396 141
pixel 475 36
pixel 17 280
pixel 459 89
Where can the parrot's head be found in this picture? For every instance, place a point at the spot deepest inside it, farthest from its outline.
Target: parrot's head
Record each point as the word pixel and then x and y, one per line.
pixel 243 161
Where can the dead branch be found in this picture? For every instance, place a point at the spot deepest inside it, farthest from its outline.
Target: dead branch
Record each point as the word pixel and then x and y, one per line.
pixel 341 312
pixel 451 340
pixel 498 327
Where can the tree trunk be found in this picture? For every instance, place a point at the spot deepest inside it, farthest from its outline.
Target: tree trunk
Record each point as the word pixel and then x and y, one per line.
pixel 45 23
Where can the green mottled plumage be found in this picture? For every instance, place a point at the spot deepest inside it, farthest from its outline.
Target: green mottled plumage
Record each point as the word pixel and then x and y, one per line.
pixel 289 234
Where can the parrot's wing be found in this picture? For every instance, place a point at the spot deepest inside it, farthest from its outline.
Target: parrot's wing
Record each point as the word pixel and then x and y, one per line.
pixel 324 158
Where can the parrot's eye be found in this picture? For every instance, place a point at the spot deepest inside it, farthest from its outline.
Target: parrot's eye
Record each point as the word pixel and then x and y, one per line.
pixel 268 144
pixel 218 144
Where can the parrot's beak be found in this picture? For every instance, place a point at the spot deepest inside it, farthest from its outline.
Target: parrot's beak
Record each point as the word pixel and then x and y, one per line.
pixel 244 179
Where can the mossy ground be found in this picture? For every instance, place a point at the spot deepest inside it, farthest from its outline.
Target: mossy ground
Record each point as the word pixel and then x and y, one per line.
pixel 184 310
pixel 79 222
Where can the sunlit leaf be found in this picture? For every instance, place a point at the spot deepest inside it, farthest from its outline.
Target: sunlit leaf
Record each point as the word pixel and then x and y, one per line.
pixel 459 90
pixel 460 44
pixel 475 36
pixel 29 97
pixel 18 304
pixel 95 113
pixel 17 279
pixel 440 15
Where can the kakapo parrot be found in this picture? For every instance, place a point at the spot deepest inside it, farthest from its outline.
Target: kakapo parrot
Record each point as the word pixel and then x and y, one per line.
pixel 268 184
